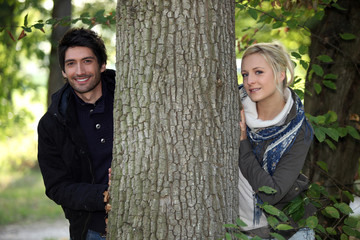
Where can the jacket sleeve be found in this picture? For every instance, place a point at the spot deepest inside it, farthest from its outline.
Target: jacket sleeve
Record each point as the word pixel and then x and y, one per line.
pixel 286 172
pixel 60 183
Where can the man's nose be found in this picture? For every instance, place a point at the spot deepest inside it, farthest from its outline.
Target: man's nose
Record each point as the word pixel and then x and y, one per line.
pixel 80 69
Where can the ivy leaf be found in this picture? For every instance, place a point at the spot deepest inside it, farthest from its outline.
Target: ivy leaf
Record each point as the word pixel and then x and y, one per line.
pixel 272 210
pixel 304 64
pixel 230 226
pixel 337 6
pixel 330 144
pixel 26 20
pixel 319 134
pixel 331 76
pixel 349 231
pixel 325 58
pixel 253 13
pixel 347 36
pixel 344 208
pixel 273 222
pixel 277 25
pixel 303 49
pixel 322 165
pixel 240 223
pixel 277 236
pixel 267 190
pixel 343 236
pixel 317 88
pixel 296 55
pixel 228 236
pixel 349 195
pixel 332 212
pixel 312 222
pixel 351 222
pixel 318 70
pixel 331 230
pixel 331 132
pixel 329 84
pixel 353 132
pixel 283 227
pixel 292 23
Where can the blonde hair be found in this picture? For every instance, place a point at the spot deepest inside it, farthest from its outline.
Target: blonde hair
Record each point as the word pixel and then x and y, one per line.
pixel 278 59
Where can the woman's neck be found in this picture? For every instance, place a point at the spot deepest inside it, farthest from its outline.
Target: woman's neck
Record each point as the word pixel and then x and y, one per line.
pixel 268 110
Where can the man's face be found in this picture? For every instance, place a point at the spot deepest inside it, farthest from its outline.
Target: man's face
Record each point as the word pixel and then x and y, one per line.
pixel 83 73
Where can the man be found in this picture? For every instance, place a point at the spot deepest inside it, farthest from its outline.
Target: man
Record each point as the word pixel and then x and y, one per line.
pixel 76 134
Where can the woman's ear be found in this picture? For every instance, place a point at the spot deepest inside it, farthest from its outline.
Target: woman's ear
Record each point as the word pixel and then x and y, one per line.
pixel 282 77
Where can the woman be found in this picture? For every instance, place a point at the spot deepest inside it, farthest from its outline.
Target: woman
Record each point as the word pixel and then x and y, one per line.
pixel 275 137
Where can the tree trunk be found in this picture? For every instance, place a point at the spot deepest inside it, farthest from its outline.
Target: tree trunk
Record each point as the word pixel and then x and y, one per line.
pixel 175 167
pixel 62 8
pixel 342 162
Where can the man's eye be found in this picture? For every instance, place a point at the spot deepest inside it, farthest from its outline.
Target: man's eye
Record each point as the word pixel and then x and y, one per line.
pixel 87 61
pixel 69 64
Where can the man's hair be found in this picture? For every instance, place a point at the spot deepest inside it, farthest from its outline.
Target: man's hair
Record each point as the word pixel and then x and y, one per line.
pixel 81 37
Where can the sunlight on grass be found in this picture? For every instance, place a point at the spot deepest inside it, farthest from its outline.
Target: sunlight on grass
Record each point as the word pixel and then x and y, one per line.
pixel 24 199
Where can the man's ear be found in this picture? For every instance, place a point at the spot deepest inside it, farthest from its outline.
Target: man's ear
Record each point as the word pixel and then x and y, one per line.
pixel 103 68
pixel 64 74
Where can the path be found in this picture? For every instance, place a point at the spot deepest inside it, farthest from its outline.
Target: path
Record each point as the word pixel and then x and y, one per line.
pixel 43 230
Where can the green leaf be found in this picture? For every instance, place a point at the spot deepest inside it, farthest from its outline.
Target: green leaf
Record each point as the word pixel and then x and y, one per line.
pixel 349 231
pixel 320 228
pixel 353 132
pixel 344 208
pixel 331 117
pixel 317 88
pixel 273 222
pixel 318 70
pixel 325 58
pixel 272 210
pixel 348 36
pixel 296 55
pixel 337 6
pixel 283 227
pixel 344 237
pixel 304 64
pixel 331 230
pixel 240 223
pixel 329 84
pixel 342 131
pixel 330 144
pixel 26 20
pixel 253 13
pixel 277 25
pixel 277 236
pixel 319 134
pixel 331 76
pixel 303 49
pixel 312 222
pixel 331 132
pixel 322 165
pixel 349 195
pixel 230 226
pixel 332 212
pixel 351 222
pixel 267 190
pixel 292 23
pixel 228 236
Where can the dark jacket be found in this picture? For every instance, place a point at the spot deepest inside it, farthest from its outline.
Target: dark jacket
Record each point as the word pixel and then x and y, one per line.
pixel 65 162
pixel 286 179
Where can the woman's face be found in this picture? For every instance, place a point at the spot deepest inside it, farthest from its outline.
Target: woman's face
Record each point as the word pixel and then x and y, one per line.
pixel 258 78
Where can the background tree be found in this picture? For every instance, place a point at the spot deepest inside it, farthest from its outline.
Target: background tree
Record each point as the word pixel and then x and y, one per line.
pixel 61 9
pixel 176 121
pixel 335 87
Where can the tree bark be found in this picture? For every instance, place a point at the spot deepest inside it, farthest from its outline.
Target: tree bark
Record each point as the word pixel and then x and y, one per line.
pixel 62 8
pixel 342 162
pixel 176 119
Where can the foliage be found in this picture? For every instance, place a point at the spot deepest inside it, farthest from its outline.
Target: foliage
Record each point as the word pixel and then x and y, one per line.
pixel 271 19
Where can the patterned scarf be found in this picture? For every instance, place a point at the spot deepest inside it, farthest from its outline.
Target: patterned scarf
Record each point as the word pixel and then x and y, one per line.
pixel 281 139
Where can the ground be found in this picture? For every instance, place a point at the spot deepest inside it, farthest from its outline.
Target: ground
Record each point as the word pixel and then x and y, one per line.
pixel 43 230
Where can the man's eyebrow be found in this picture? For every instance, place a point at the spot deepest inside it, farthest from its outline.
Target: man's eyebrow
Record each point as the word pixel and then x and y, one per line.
pixel 70 59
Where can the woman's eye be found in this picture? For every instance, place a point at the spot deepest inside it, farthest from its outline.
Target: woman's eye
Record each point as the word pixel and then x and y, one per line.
pixel 244 75
pixel 259 72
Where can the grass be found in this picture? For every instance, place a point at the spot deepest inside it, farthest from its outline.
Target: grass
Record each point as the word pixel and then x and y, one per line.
pixel 23 199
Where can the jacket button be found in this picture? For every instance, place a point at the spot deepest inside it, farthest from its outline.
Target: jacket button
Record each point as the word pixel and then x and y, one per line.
pixel 102 140
pixel 296 189
pixel 98 126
